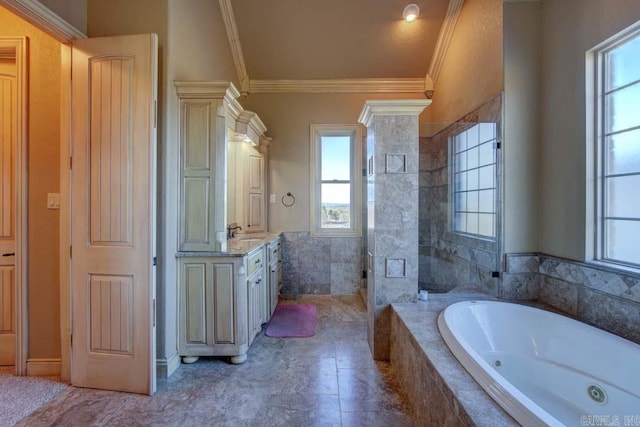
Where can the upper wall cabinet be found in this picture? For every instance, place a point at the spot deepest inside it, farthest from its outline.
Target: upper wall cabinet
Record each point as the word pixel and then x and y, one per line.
pixel 248 173
pixel 207 110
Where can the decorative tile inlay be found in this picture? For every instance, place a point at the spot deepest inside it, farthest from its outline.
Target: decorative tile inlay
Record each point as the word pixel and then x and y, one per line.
pixel 522 263
pixel 396 163
pixel 396 267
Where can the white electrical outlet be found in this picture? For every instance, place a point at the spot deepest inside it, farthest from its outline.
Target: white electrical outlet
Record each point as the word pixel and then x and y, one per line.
pixel 272 198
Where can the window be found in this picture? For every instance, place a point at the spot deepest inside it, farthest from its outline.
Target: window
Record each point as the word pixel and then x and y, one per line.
pixel 474 184
pixel 617 86
pixel 335 180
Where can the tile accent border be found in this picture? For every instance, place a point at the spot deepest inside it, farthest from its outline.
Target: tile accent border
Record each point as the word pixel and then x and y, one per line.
pixel 596 295
pixel 396 163
pixel 396 268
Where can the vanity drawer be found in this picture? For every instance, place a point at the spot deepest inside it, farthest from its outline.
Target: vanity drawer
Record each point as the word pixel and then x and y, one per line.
pixel 274 251
pixel 255 261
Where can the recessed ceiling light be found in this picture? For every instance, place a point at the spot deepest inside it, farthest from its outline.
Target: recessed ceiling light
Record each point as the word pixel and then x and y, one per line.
pixel 411 12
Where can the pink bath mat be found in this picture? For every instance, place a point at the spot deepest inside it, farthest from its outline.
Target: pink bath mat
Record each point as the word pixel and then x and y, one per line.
pixel 292 321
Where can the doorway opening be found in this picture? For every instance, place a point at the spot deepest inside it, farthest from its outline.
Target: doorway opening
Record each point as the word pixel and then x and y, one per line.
pixel 13 209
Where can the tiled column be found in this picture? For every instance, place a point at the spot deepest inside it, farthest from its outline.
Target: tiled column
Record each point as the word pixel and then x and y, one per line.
pixel 392 211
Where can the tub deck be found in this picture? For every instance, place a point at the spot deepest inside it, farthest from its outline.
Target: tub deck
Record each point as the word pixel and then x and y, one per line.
pixel 441 391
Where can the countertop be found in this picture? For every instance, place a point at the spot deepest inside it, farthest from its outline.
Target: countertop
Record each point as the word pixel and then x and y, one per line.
pixel 240 245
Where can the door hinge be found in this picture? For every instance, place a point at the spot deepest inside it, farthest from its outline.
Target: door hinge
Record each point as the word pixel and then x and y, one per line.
pixel 70 251
pixel 70 162
pixel 154 313
pixel 497 145
pixel 155 261
pixel 71 339
pixel 155 114
pixel 495 274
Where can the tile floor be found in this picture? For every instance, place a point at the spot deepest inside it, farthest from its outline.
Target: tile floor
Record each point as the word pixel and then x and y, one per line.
pixel 326 380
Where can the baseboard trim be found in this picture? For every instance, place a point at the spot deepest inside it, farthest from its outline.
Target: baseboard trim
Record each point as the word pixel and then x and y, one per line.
pixel 166 367
pixel 43 367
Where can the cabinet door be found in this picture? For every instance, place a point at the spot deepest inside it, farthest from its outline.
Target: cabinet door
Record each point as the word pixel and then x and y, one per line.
pixel 256 296
pixel 256 218
pixel 224 303
pixel 194 282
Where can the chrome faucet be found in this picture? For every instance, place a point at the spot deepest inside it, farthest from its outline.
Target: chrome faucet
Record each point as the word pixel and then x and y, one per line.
pixel 231 228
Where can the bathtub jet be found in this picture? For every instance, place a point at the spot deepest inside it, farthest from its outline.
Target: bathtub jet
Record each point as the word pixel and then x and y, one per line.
pixel 545 369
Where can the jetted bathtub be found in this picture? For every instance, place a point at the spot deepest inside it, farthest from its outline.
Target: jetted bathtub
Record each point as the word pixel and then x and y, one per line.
pixel 544 368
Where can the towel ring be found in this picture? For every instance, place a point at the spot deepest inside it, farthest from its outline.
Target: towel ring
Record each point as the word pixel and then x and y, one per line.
pixel 291 200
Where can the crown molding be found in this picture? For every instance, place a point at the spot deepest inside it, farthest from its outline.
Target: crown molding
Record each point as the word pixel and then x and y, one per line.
pixel 44 18
pixel 444 38
pixel 234 43
pixel 216 89
pixel 220 89
pixel 249 124
pixel 406 85
pixel 391 107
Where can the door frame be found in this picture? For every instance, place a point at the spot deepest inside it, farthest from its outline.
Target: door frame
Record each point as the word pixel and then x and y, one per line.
pixel 19 45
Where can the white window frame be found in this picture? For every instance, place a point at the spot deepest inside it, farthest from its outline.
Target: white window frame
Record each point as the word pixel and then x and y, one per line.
pixel 453 206
pixel 595 248
pixel 354 131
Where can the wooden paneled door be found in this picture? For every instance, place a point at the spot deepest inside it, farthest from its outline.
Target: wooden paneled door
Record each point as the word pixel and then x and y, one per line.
pixel 8 130
pixel 113 95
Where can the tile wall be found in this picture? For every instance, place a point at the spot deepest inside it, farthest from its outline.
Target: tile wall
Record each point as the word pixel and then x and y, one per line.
pixel 601 296
pixel 321 265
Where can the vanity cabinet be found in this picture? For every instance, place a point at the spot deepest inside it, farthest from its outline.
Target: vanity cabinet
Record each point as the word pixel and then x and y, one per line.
pixel 223 293
pixel 213 308
pixel 225 298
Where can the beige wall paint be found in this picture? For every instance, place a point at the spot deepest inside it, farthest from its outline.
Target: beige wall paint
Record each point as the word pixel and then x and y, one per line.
pixel 570 28
pixel 43 178
pixel 521 120
pixel 471 73
pixel 72 11
pixel 287 117
pixel 199 44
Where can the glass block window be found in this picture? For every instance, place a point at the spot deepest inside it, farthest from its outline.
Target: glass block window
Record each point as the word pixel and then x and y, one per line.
pixel 474 181
pixel 335 171
pixel 619 151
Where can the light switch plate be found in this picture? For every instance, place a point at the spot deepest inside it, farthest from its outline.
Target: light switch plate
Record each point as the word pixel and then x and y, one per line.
pixel 272 198
pixel 53 200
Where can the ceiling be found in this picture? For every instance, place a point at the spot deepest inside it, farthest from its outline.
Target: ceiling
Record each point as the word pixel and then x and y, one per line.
pixel 336 39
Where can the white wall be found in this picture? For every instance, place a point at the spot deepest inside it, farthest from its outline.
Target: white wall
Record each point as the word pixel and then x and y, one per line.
pixel 569 29
pixel 521 145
